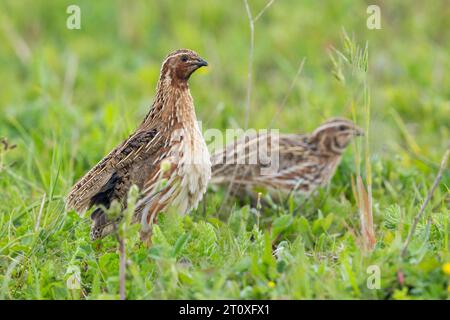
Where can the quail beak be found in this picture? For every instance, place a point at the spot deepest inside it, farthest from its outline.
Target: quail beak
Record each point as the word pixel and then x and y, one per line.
pixel 199 62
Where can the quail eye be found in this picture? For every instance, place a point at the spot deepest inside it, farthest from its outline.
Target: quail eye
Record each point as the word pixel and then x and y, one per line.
pixel 342 128
pixel 184 58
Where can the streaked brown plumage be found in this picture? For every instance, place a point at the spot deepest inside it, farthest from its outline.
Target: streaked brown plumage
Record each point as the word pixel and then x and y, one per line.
pixel 169 133
pixel 306 161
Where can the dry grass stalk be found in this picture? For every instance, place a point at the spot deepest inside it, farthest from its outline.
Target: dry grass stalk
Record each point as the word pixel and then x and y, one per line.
pixel 365 214
pixel 251 20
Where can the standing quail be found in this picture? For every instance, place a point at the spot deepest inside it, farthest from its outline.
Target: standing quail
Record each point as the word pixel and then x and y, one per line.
pixel 167 145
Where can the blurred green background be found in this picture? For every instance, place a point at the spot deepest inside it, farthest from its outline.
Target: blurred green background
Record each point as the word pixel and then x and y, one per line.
pixel 68 96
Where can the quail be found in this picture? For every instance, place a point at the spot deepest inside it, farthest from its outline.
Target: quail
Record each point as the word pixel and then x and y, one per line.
pixel 305 161
pixel 167 146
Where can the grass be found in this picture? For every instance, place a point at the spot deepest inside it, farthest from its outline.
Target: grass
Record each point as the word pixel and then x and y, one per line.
pixel 69 96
